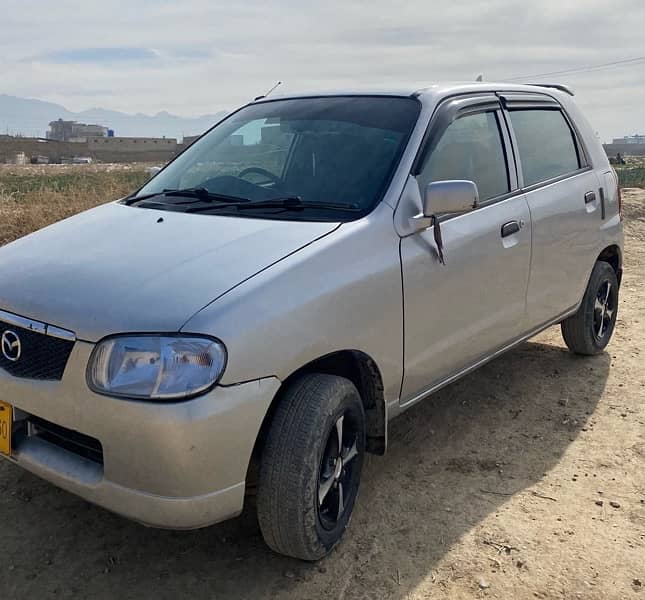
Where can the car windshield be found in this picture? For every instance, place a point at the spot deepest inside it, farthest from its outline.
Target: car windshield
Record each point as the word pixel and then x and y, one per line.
pixel 306 158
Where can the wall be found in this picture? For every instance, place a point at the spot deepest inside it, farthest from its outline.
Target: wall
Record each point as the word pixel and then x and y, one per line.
pixel 160 156
pixel 124 152
pixel 9 147
pixel 132 144
pixel 625 149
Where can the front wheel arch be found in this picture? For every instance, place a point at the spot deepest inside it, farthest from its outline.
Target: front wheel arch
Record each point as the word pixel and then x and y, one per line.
pixel 355 365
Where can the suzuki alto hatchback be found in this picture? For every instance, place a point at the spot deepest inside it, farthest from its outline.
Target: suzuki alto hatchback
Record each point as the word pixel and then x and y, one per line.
pixel 309 268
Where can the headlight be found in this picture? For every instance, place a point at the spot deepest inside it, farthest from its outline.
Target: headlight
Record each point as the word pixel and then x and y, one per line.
pixel 155 367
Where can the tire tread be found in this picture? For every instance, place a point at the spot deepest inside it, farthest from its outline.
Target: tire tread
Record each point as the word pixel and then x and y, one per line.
pixel 290 454
pixel 576 329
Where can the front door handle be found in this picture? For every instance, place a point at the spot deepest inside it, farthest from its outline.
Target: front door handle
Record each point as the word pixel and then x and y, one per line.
pixel 510 228
pixel 590 197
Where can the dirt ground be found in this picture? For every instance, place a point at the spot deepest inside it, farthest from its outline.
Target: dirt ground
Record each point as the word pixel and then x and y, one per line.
pixel 525 479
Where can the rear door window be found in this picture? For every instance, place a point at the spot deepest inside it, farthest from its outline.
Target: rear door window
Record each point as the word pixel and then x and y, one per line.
pixel 470 148
pixel 546 144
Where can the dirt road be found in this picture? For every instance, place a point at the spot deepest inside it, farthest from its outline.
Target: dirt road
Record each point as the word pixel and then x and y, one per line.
pixel 524 480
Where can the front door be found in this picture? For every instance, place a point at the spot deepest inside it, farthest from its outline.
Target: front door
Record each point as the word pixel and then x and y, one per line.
pixel 458 312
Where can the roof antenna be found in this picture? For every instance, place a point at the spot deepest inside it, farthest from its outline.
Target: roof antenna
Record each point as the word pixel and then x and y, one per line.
pixel 271 90
pixel 480 78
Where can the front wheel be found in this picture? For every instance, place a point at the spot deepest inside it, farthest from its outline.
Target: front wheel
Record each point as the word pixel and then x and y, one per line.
pixel 311 466
pixel 589 330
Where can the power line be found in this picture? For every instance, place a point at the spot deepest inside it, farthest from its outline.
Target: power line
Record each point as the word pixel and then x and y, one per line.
pixel 614 64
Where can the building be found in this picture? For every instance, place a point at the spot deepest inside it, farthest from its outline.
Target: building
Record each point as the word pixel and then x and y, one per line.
pixel 72 131
pixel 630 139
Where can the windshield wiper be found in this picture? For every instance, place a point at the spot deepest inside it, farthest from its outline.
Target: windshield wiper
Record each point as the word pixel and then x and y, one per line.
pixel 201 194
pixel 297 203
pixel 205 195
pixel 285 203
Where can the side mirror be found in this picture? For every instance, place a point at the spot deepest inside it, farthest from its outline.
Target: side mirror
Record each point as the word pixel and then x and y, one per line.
pixel 443 197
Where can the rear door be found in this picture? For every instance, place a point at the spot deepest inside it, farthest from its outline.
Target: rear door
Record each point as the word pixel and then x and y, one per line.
pixel 457 313
pixel 564 198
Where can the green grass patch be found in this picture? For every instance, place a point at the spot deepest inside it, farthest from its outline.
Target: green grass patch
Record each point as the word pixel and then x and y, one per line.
pixel 631 176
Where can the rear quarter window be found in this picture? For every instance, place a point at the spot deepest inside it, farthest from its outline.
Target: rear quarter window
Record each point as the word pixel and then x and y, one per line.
pixel 546 144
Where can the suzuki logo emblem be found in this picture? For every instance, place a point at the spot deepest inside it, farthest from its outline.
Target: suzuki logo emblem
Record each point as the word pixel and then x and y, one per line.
pixel 11 346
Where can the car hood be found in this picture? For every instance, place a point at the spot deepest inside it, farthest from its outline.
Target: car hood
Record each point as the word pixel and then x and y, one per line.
pixel 117 268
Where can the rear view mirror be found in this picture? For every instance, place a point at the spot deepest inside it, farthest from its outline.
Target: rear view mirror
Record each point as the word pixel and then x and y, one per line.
pixel 443 197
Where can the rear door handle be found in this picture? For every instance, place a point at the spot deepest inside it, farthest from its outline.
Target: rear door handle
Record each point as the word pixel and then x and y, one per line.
pixel 510 228
pixel 590 197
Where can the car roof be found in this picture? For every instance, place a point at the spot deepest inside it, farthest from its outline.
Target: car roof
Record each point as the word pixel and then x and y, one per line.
pixel 423 91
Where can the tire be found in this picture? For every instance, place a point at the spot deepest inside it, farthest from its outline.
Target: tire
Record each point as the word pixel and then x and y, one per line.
pixel 589 330
pixel 297 466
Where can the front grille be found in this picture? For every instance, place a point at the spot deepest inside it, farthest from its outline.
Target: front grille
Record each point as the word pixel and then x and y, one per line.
pixel 41 356
pixel 68 439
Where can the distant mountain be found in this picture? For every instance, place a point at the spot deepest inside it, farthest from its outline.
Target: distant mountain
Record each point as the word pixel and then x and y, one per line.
pixel 30 117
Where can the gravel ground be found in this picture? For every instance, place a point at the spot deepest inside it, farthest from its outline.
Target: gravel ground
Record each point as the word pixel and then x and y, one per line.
pixel 525 479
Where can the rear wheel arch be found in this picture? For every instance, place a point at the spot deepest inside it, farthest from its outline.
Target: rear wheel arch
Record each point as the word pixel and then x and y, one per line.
pixel 613 255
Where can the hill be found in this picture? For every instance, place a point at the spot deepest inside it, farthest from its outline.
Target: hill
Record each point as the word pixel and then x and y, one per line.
pixel 30 117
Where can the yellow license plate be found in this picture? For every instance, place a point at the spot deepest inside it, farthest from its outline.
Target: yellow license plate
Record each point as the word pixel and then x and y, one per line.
pixel 6 423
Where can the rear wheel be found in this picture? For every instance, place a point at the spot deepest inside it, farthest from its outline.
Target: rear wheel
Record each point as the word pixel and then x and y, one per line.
pixel 311 466
pixel 589 330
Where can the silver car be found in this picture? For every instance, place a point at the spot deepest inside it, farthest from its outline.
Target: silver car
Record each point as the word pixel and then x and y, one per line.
pixel 308 269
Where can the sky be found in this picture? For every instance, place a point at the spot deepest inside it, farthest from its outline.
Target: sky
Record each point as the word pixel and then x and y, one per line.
pixel 193 57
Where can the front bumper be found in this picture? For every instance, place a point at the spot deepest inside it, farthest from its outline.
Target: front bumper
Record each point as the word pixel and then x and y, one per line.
pixel 178 465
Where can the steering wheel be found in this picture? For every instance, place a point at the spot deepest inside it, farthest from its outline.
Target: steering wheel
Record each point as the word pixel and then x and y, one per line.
pixel 260 171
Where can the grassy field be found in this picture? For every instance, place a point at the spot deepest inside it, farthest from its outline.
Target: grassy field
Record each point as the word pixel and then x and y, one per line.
pixel 34 196
pixel 632 174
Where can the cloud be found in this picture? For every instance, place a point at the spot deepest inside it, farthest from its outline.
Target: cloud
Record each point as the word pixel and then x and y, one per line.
pixel 99 55
pixel 199 56
pixel 118 55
